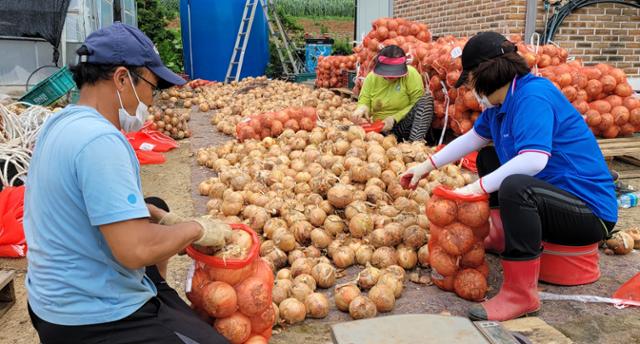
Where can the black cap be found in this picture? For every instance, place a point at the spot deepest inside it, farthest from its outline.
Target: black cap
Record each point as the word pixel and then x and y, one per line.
pixel 480 48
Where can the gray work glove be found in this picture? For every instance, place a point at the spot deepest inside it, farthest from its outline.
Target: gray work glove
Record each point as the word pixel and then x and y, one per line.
pixel 214 234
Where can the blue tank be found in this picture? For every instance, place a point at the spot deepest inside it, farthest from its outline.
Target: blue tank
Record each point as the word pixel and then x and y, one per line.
pixel 209 30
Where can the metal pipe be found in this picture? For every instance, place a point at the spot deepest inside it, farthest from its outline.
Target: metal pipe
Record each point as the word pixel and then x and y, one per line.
pixel 530 20
pixel 193 74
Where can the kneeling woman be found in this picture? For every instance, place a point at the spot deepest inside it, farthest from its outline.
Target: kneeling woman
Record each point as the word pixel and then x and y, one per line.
pixel 395 93
pixel 545 174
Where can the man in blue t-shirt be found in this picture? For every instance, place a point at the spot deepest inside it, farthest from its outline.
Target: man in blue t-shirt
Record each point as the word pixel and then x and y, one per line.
pixel 545 175
pixel 89 231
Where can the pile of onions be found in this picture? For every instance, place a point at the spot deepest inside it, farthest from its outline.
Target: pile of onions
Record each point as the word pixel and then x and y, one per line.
pixel 270 124
pixel 237 101
pixel 170 121
pixel 602 94
pixel 332 70
pixel 324 200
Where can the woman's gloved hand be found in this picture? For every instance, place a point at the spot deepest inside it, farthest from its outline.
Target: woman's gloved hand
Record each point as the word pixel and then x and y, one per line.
pixel 358 116
pixel 214 232
pixel 388 124
pixel 472 189
pixel 410 179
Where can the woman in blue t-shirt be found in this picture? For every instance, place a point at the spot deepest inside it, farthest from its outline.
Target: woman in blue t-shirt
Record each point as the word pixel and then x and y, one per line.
pixel 546 176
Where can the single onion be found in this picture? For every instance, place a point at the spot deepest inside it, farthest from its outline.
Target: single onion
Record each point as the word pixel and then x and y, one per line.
pixel 393 282
pixel 219 299
pixel 360 225
pixel 344 294
pixel 306 279
pixel 300 290
pixel 339 196
pixel 302 266
pixel 320 238
pixel 383 257
pixel 324 274
pixel 334 225
pixel 423 256
pixel 362 307
pixel 383 297
pixel 253 296
pixel 368 277
pixel 284 274
pixel 364 254
pixel 407 257
pixel 317 305
pixel 236 328
pixel 343 257
pixel 281 290
pixel 292 311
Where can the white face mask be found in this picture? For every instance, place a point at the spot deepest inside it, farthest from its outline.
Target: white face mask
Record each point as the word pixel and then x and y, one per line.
pixel 130 123
pixel 483 101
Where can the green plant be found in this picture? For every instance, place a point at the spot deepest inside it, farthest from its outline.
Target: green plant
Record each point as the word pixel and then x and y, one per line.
pixel 342 47
pixel 152 20
pixel 313 8
pixel 171 51
pixel 323 29
pixel 170 7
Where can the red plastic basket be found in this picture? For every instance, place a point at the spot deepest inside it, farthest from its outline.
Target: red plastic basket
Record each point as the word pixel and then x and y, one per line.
pixel 373 127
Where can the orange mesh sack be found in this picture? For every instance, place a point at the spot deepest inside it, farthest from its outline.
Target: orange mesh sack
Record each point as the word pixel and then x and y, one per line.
pixel 458 226
pixel 232 288
pixel 272 124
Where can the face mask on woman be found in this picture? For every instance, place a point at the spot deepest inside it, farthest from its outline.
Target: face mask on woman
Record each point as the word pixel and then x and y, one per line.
pixel 483 101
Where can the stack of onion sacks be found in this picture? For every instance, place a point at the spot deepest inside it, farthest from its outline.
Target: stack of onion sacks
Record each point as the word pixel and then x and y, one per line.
pixel 602 94
pixel 411 36
pixel 232 288
pixel 458 226
pixel 332 70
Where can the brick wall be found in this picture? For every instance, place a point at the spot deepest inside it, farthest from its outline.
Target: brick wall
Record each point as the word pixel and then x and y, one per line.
pixel 464 17
pixel 599 33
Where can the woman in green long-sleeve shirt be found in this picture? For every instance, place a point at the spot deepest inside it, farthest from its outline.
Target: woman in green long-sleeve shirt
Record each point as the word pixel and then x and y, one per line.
pixel 394 93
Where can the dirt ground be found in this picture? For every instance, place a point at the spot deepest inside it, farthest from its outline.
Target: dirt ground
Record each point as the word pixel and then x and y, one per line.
pixel 336 29
pixel 176 181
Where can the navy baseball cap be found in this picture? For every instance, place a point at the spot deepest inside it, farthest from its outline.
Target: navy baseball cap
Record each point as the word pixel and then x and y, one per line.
pixel 480 48
pixel 122 44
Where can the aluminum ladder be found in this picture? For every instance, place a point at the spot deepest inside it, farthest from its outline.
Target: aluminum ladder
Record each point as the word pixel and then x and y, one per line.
pixel 242 39
pixel 292 65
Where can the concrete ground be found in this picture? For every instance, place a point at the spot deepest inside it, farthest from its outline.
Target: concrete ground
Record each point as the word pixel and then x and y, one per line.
pixel 176 181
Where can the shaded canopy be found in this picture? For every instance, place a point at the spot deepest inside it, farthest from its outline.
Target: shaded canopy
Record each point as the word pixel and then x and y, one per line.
pixel 34 18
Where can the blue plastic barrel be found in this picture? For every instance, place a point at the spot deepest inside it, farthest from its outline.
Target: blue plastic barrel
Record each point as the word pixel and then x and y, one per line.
pixel 316 47
pixel 209 30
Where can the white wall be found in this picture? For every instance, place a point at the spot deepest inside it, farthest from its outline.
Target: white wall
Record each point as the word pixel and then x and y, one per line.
pixel 368 11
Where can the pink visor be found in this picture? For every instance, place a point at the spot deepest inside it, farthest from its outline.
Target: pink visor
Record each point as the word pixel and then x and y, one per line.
pixel 392 60
pixel 391 67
